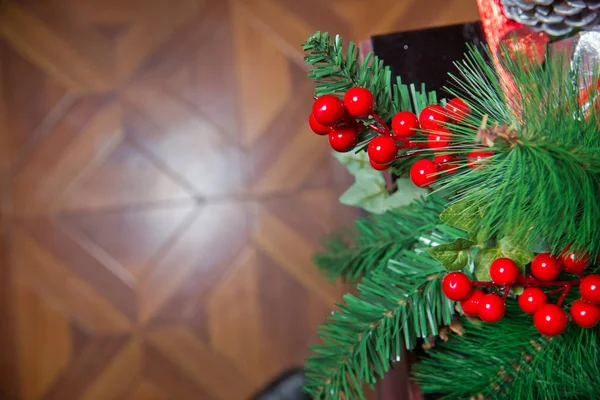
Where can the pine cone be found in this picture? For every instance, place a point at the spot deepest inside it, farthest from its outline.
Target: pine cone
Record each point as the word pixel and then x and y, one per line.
pixel 555 17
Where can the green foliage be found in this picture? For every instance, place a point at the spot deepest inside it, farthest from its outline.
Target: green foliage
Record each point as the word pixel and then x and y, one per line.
pixel 370 191
pixel 453 256
pixel 335 70
pixel 378 238
pixel 510 360
pixel 395 306
pixel 544 183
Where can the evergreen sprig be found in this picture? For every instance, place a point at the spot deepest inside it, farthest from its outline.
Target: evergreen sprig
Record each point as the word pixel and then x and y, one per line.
pixel 510 360
pixel 376 239
pixel 543 183
pixel 335 70
pixel 395 306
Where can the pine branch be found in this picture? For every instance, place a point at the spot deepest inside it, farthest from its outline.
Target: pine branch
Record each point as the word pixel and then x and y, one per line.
pixel 544 182
pixel 377 239
pixel 396 305
pixel 336 70
pixel 511 360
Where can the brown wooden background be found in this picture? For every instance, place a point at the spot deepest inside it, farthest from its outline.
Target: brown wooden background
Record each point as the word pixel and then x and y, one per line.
pixel 161 193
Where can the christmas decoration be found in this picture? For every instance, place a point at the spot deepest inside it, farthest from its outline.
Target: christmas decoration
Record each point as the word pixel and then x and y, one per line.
pixel 555 17
pixel 500 258
pixel 358 102
pixel 531 299
pixel 343 138
pixel 585 314
pixel 423 173
pixel 550 319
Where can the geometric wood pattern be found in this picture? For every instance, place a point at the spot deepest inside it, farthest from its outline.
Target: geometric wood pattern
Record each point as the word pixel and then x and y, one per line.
pixel 161 193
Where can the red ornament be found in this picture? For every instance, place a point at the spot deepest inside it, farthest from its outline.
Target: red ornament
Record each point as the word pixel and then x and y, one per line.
pixel 550 319
pixel 433 117
pixel 491 308
pixel 343 138
pixel 379 167
pixel 590 288
pixel 469 306
pixel 382 149
pixel 545 267
pixel 504 271
pixel 422 173
pixel 456 286
pixel 476 158
pixel 446 162
pixel 439 139
pixel 317 127
pixel 531 299
pixel 457 109
pixel 585 314
pixel 328 110
pixel 574 261
pixel 405 124
pixel 358 102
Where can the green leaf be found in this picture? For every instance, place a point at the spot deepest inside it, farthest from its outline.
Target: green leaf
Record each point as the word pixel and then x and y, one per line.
pixel 358 165
pixel 367 194
pixel 454 256
pixel 483 260
pixel 459 215
pixel 516 251
pixel 369 189
pixel 406 192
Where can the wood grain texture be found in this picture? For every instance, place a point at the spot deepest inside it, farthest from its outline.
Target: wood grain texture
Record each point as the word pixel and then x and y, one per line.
pixel 161 195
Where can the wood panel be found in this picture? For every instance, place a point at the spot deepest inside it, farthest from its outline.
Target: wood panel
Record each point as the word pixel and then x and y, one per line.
pixel 161 194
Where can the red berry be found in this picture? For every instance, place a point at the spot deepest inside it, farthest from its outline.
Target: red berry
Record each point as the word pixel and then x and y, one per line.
pixel 476 158
pixel 446 162
pixel 405 124
pixel 317 127
pixel 491 308
pixel 457 109
pixel 433 117
pixel 531 299
pixel 358 102
pixel 382 150
pixel 469 306
pixel 343 138
pixel 439 139
pixel 590 288
pixel 550 319
pixel 585 314
pixel 423 173
pixel 456 286
pixel 545 267
pixel 504 271
pixel 379 167
pixel 574 260
pixel 328 110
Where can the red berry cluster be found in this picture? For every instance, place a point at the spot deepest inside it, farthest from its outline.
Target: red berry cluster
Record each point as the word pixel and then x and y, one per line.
pixel 341 120
pixel 549 319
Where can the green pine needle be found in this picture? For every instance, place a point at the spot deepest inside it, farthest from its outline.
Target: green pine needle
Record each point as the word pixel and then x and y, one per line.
pixel 395 306
pixel 510 360
pixel 351 254
pixel 544 185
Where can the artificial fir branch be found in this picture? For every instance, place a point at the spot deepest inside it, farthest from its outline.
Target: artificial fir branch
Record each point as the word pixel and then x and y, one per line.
pixel 510 360
pixel 335 70
pixel 395 306
pixel 376 239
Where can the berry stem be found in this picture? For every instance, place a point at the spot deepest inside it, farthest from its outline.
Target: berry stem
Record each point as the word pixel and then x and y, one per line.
pixel 564 295
pixel 383 124
pixel 506 291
